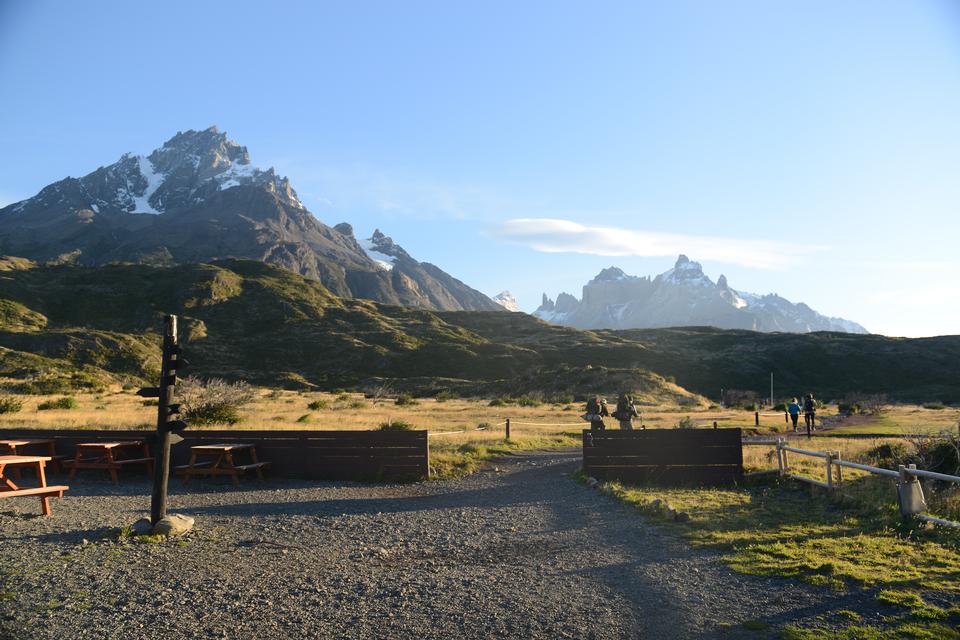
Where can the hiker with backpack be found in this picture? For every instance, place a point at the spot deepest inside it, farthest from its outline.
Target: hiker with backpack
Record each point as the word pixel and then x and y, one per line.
pixel 794 410
pixel 626 412
pixel 596 411
pixel 809 412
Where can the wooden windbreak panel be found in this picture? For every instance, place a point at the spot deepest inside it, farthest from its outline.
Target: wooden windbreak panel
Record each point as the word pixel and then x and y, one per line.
pixel 667 456
pixel 322 455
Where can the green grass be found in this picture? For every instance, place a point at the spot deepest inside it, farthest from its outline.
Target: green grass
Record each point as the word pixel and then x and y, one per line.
pixel 900 630
pixel 790 531
pixel 785 530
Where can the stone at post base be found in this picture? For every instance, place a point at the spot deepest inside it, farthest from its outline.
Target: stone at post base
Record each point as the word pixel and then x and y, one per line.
pixel 141 527
pixel 173 525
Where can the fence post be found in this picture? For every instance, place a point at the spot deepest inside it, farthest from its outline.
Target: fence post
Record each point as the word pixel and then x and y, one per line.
pixel 756 418
pixel 508 428
pixel 780 454
pixel 839 479
pixel 714 424
pixel 786 417
pixel 829 470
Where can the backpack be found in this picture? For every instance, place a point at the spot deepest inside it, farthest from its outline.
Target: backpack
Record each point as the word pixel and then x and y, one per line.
pixel 593 407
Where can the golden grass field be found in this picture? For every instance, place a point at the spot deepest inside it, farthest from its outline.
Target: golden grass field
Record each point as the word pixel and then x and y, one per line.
pixel 277 409
pixel 473 423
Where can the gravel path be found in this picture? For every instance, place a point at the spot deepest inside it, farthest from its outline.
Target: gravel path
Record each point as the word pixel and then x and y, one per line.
pixel 518 550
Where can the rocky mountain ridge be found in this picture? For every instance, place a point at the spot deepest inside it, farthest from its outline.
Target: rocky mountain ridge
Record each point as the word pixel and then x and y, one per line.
pixel 682 296
pixel 198 198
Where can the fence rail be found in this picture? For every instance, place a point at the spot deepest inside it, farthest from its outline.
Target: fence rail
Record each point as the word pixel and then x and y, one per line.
pixel 310 454
pixel 909 490
pixel 694 456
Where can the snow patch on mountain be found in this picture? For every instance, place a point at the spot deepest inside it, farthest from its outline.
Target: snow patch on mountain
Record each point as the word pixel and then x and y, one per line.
pixel 384 261
pixel 506 300
pixel 141 203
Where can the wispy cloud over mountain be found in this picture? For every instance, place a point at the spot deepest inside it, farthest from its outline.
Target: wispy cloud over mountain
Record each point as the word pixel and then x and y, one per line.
pixel 552 235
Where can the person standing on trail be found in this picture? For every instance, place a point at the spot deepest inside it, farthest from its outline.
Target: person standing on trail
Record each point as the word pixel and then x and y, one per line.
pixel 596 410
pixel 809 412
pixel 626 412
pixel 794 410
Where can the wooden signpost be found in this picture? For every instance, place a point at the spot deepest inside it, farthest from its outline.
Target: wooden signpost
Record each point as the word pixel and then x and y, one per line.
pixel 168 429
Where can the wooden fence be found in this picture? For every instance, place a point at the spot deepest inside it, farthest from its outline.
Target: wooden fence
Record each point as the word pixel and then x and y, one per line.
pixel 673 456
pixel 319 455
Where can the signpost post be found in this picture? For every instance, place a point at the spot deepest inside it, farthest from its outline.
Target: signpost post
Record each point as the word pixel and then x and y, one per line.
pixel 168 430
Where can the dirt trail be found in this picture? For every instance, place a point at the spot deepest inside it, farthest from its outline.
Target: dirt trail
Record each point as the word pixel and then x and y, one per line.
pixel 518 550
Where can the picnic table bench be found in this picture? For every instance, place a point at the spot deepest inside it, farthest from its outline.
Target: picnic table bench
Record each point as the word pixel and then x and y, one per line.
pixel 8 489
pixel 107 455
pixel 16 447
pixel 220 461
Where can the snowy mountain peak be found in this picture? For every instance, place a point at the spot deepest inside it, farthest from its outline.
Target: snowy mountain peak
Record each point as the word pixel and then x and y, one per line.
pixel 189 170
pixel 384 244
pixel 383 250
pixel 686 272
pixel 611 274
pixel 506 300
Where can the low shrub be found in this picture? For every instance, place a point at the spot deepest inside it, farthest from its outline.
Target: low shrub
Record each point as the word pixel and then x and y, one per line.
pixel 150 403
pixel 60 403
pixel 396 425
pixel 356 404
pixel 498 402
pixel 527 401
pixel 304 418
pixel 935 406
pixel 317 405
pixel 213 401
pixel 405 400
pixel 445 395
pixel 213 414
pixel 343 397
pixel 686 422
pixel 10 404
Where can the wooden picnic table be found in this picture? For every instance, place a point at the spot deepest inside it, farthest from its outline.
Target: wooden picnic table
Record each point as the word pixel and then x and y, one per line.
pixel 219 461
pixel 8 489
pixel 15 447
pixel 111 456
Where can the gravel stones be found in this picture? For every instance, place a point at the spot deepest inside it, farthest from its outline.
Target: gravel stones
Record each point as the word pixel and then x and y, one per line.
pixel 519 553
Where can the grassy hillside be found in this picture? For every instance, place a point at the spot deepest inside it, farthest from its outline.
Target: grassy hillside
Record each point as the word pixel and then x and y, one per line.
pixel 244 319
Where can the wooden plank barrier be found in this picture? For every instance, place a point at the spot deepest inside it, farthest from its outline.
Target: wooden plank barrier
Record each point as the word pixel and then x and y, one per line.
pixel 312 454
pixel 668 456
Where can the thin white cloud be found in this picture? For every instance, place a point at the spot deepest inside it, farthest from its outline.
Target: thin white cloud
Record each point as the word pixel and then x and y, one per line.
pixel 551 235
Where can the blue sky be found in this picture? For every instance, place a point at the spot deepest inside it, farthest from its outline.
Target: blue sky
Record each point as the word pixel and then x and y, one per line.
pixel 807 148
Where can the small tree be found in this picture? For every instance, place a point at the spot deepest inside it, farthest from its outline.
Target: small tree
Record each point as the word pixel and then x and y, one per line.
pixel 740 399
pixel 214 401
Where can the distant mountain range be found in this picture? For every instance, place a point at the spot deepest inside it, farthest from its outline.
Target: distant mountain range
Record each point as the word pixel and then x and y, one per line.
pixel 197 198
pixel 682 296
pixel 69 327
